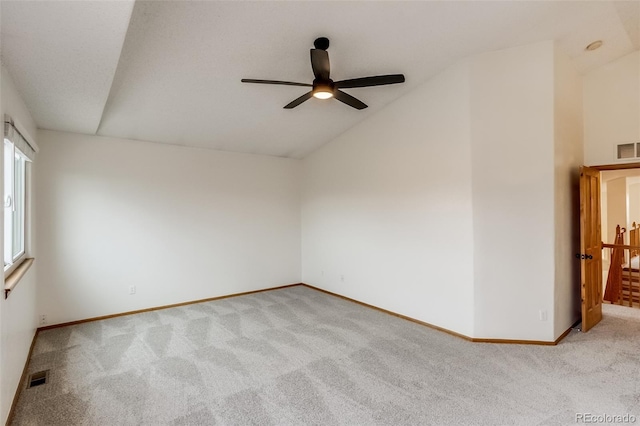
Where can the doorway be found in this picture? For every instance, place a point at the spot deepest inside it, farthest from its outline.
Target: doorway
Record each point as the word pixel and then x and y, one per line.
pixel 620 229
pixel 619 206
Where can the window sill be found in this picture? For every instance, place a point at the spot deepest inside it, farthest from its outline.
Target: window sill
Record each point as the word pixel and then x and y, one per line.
pixel 11 281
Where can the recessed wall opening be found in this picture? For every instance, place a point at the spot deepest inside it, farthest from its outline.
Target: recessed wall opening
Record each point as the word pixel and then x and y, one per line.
pixel 626 150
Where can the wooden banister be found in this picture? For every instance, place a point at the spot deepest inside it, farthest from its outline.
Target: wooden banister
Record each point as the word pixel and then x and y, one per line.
pixel 613 289
pixel 622 246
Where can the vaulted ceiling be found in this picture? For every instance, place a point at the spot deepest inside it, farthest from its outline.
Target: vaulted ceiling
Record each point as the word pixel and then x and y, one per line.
pixel 169 71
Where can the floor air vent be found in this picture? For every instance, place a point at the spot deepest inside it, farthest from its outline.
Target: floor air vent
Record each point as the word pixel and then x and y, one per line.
pixel 37 379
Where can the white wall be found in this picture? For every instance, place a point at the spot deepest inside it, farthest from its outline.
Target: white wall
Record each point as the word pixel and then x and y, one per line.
pixel 180 224
pixel 442 207
pixel 568 127
pixel 611 109
pixel 616 207
pixel 512 134
pixel 604 214
pixel 633 202
pixel 387 206
pixel 18 319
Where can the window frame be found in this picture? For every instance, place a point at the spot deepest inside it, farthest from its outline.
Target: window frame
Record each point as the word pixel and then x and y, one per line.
pixel 12 262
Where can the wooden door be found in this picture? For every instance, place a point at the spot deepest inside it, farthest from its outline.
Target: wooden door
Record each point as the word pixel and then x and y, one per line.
pixel 590 247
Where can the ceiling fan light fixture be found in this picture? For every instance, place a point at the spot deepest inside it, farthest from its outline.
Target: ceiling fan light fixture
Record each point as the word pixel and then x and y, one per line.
pixel 322 92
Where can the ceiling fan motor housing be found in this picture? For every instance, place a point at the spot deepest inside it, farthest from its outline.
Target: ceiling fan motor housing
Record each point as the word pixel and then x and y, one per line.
pixel 321 43
pixel 325 85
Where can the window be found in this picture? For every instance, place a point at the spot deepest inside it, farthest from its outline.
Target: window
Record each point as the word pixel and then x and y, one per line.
pixel 18 153
pixel 15 180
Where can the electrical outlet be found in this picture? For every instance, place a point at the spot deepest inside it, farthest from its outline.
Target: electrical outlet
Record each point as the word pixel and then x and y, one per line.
pixel 132 289
pixel 543 315
pixel 43 319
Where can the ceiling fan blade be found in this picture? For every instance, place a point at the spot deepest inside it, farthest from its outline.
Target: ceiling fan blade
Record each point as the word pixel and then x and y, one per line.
pixel 378 80
pixel 320 64
pixel 349 100
pixel 298 101
pixel 285 83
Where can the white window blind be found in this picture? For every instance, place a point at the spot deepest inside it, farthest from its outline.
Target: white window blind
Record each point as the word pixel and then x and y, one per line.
pixel 13 134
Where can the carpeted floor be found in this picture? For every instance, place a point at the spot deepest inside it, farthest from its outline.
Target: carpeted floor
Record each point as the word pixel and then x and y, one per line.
pixel 297 356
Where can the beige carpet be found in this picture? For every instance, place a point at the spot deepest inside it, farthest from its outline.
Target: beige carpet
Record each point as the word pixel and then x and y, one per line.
pixel 297 356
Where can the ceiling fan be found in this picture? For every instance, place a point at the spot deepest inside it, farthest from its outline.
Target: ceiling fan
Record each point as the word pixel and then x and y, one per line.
pixel 323 87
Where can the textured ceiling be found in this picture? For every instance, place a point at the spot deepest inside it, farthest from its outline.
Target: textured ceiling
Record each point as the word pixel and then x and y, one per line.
pixel 62 56
pixel 169 71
